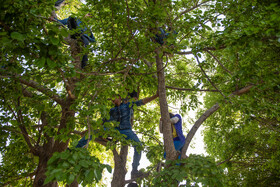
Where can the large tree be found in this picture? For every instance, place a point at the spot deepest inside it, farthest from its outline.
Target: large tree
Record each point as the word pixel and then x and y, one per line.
pixel 227 49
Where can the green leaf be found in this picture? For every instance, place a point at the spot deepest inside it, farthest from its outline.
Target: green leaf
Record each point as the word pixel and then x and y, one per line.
pixel 51 63
pixel 40 62
pixel 17 36
pixel 71 178
pixel 48 179
pixel 65 165
pixel 109 168
pixel 84 163
pixel 64 32
pixel 90 175
pixel 55 41
pixel 97 174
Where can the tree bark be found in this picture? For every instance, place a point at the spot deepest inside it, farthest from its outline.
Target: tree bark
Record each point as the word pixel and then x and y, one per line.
pixel 41 170
pixel 167 131
pixel 120 167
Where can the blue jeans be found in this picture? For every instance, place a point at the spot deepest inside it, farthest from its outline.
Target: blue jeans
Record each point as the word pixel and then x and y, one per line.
pixel 130 135
pixel 85 56
pixel 178 147
pixel 82 142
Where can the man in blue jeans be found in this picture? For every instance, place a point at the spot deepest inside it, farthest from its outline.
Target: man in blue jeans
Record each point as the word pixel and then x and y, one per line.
pixel 122 113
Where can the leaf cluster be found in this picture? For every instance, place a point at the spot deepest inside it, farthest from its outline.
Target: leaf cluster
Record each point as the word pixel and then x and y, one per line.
pixel 76 164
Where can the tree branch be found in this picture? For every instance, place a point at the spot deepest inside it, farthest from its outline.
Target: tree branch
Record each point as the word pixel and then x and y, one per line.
pixel 67 86
pixel 24 131
pixel 226 160
pixel 218 62
pixel 204 49
pixel 8 128
pixel 191 89
pixel 153 137
pixel 208 77
pixel 188 10
pixel 43 90
pixel 204 116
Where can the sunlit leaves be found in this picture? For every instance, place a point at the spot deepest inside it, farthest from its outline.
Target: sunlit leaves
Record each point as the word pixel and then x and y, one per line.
pixel 75 164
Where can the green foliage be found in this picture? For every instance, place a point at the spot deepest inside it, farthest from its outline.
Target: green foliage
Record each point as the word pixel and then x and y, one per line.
pixel 76 164
pixel 194 170
pixel 237 42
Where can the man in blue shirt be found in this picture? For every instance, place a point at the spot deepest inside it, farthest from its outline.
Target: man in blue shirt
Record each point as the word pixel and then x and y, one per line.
pixel 122 113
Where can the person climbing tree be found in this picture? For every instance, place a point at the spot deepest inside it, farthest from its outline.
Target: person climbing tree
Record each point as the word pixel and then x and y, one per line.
pixel 122 113
pixel 58 3
pixel 162 35
pixel 84 34
pixel 177 132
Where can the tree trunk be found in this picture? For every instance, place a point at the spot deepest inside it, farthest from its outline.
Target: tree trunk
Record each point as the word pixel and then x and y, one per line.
pixel 73 184
pixel 120 167
pixel 167 131
pixel 40 172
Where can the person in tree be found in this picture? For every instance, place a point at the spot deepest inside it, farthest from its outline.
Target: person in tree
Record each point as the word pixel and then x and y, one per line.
pixel 58 3
pixel 122 113
pixel 177 132
pixel 83 33
pixel 162 35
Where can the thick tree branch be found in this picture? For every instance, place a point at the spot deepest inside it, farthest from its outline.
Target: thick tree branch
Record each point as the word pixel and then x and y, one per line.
pixel 24 131
pixel 120 169
pixel 204 116
pixel 27 93
pixel 42 89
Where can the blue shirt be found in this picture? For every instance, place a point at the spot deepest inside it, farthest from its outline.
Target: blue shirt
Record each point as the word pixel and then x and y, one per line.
pixel 123 114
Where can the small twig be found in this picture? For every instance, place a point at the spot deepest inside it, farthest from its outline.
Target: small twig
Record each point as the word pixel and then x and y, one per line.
pixel 228 159
pixel 145 133
pixel 188 10
pixel 208 77
pixel 190 89
pixel 204 49
pixel 218 62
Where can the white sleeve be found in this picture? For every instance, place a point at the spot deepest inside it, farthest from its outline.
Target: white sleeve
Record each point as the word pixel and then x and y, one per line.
pixel 174 120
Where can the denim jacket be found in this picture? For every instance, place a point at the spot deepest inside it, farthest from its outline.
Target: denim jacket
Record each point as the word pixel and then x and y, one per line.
pixel 123 113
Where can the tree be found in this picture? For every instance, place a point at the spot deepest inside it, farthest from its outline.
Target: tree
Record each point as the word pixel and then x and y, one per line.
pixel 48 101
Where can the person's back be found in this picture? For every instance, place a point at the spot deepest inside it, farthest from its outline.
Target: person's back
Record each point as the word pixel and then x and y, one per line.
pixel 123 114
